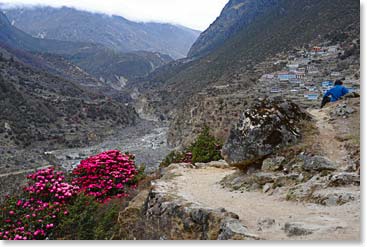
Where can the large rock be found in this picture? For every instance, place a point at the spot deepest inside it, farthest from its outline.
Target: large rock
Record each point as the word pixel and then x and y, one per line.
pixel 299 229
pixel 272 164
pixel 318 164
pixel 267 125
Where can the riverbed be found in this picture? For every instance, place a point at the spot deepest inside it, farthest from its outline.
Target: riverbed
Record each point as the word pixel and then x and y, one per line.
pixel 147 141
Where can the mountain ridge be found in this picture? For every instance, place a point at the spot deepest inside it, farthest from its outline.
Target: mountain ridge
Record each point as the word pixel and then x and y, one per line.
pixel 106 65
pixel 114 32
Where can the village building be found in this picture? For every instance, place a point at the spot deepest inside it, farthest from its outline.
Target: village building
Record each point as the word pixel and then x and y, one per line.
pixel 286 76
pixel 275 90
pixel 333 49
pixel 311 95
pixel 293 66
pixel 327 84
pixel 335 74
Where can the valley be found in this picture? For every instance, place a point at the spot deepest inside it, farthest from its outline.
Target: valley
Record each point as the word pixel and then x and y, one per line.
pixel 225 125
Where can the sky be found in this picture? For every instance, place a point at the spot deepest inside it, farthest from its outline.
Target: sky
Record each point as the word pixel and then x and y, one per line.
pixel 196 14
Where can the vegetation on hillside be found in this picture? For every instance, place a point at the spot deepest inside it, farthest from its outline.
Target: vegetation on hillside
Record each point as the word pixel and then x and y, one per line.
pixel 205 148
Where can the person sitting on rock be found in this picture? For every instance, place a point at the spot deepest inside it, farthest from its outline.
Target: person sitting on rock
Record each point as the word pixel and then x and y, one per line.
pixel 336 93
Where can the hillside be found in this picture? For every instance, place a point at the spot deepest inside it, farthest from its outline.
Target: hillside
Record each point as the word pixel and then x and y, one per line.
pixel 279 29
pixel 114 32
pixel 235 15
pixel 39 110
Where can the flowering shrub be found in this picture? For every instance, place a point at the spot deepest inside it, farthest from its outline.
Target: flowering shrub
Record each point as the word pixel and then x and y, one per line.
pixel 48 185
pixel 44 207
pixel 40 209
pixel 106 175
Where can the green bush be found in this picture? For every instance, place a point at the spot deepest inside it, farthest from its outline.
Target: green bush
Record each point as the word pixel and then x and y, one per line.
pixel 206 148
pixel 172 157
pixel 89 220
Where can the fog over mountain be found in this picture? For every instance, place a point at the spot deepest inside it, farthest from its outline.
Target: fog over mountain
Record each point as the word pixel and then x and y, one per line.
pixel 190 13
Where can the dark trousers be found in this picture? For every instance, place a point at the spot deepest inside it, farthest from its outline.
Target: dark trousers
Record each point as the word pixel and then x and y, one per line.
pixel 325 100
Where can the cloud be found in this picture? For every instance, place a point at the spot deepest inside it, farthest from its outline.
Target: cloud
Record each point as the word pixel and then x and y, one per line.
pixel 197 14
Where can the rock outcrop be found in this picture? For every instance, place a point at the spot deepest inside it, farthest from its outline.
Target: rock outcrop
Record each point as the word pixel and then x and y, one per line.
pixel 265 127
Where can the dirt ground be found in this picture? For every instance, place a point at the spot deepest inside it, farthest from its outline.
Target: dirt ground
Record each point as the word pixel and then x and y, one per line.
pixel 329 223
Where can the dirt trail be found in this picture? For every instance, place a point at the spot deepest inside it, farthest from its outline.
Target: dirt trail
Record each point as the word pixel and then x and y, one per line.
pixel 326 222
pixel 331 147
pixel 329 223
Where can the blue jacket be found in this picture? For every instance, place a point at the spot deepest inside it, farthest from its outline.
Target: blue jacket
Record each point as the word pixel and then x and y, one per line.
pixel 336 92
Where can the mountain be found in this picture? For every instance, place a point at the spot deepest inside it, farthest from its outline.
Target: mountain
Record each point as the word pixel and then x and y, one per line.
pixel 117 68
pixel 16 38
pixel 235 15
pixel 114 32
pixel 112 67
pixel 229 71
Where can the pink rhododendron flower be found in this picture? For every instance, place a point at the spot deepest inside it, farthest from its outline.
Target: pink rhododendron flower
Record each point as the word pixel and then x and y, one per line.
pixel 103 176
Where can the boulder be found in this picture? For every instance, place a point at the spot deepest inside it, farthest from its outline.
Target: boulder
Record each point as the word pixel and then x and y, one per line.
pixel 267 125
pixel 303 191
pixel 342 110
pixel 335 196
pixel 234 230
pixel 287 180
pixel 272 164
pixel 298 229
pixel 318 164
pixel 267 187
pixel 265 223
pixel 262 178
pixel 344 178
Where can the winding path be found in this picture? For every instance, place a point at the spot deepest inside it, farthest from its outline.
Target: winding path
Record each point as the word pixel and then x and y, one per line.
pixel 331 147
pixel 331 223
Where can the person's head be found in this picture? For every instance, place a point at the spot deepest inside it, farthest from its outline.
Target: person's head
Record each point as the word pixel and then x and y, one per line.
pixel 338 83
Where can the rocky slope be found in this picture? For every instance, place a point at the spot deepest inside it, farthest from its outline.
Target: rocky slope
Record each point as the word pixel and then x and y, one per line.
pixel 114 32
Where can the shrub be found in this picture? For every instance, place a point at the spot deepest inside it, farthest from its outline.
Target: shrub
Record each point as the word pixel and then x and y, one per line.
pixel 40 208
pixel 172 157
pixel 106 176
pixel 51 208
pixel 89 220
pixel 206 148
